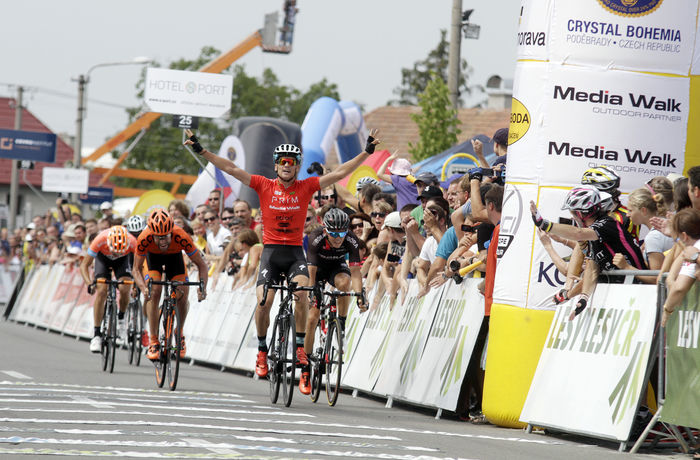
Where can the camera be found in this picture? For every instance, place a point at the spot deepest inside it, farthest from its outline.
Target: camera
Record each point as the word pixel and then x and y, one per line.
pixel 232 270
pixel 455 265
pixel 468 228
pixel 393 258
pixel 480 173
pixel 315 168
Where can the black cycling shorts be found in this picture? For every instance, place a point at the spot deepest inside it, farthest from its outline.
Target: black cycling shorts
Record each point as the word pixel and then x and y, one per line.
pixel 174 266
pixel 327 272
pixel 104 264
pixel 277 259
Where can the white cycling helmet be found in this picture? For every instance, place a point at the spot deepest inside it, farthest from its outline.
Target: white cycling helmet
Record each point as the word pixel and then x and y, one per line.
pixel 136 223
pixel 365 181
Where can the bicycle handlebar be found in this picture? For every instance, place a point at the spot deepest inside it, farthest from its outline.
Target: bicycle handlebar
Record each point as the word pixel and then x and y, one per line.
pixel 291 287
pixel 151 282
pixel 111 281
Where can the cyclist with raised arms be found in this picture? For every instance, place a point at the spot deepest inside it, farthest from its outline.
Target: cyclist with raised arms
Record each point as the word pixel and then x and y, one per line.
pixel 110 250
pixel 328 247
pixel 161 244
pixel 284 201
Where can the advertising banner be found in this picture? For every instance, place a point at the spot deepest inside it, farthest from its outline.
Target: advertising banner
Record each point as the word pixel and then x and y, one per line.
pixel 97 195
pixel 682 404
pixel 363 373
pixel 597 362
pixel 180 92
pixel 239 319
pixel 405 329
pixel 632 122
pixel 27 297
pixel 525 163
pixel 9 274
pixel 449 345
pixel 533 28
pixel 27 145
pixel 66 180
pixel 643 35
pixel 58 294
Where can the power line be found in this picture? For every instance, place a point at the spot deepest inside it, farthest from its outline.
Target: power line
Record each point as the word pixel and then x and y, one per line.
pixel 53 92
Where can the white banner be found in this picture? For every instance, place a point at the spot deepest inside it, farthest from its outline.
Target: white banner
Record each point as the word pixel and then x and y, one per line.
pixel 533 28
pixel 8 277
pixel 66 180
pixel 181 92
pixel 695 70
pixel 448 347
pixel 591 372
pixel 632 122
pixel 644 35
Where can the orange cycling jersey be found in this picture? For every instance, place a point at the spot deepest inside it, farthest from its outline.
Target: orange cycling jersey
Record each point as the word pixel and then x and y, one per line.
pixel 284 209
pixel 100 246
pixel 180 241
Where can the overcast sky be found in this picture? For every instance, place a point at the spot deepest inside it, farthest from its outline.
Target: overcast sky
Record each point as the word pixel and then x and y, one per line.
pixel 360 45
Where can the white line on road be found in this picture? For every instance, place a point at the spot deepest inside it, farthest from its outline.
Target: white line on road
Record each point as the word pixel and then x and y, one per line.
pixel 91 402
pixel 17 375
pixel 209 446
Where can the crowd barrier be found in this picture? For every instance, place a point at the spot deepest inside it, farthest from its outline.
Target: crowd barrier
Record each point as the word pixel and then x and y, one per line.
pixel 589 377
pixel 9 277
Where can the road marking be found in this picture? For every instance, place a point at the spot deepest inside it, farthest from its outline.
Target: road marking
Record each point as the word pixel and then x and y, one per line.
pixel 91 402
pixel 224 445
pixel 194 442
pixel 17 375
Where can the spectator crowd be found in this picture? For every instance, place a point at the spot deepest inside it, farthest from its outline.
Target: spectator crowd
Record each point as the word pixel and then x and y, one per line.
pixel 412 225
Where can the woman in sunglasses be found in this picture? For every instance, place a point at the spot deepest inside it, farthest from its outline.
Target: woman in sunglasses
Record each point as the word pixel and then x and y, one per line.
pixel 284 201
pixel 380 210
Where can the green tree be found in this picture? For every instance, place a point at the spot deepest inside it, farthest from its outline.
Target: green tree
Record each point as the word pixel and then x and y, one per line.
pixel 414 80
pixel 160 149
pixel 437 121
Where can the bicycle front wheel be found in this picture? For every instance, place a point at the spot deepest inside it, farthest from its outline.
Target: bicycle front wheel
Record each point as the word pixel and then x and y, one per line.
pixel 288 362
pixel 130 333
pixel 138 316
pixel 273 373
pixel 334 361
pixel 104 333
pixel 162 361
pixel 111 339
pixel 172 347
pixel 317 364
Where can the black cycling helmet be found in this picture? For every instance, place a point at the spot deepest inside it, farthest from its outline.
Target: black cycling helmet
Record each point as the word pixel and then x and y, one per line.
pixel 335 220
pixel 287 151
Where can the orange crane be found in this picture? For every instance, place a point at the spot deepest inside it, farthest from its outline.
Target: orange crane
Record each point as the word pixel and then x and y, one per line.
pixel 265 38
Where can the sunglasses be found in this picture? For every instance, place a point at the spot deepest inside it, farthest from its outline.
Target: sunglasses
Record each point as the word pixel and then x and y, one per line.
pixel 355 226
pixel 327 197
pixel 227 218
pixel 214 198
pixel 287 161
pixel 337 234
pixel 378 214
pixel 211 219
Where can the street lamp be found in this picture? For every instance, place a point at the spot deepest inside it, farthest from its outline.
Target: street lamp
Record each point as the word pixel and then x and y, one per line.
pixel 83 80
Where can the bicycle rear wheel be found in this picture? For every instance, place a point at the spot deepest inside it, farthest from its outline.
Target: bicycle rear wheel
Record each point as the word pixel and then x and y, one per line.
pixel 317 366
pixel 172 347
pixel 162 361
pixel 273 374
pixel 334 361
pixel 288 362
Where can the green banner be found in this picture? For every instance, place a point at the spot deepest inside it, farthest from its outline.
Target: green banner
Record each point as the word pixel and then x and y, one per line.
pixel 682 406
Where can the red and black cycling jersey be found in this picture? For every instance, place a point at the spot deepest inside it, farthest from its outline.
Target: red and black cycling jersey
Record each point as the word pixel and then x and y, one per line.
pixel 321 252
pixel 614 238
pixel 284 209
pixel 621 214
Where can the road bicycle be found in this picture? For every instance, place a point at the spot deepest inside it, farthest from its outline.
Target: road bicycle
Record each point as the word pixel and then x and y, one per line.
pixel 108 328
pixel 134 329
pixel 169 332
pixel 327 357
pixel 282 354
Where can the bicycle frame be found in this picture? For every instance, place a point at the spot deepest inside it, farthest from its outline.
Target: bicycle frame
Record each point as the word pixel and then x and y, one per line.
pixel 109 322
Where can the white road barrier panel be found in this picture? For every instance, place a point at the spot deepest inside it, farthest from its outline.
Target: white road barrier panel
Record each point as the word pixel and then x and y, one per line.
pixel 591 371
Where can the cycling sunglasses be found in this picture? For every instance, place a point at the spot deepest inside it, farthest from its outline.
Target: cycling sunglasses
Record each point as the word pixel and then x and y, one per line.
pixel 287 161
pixel 378 214
pixel 337 234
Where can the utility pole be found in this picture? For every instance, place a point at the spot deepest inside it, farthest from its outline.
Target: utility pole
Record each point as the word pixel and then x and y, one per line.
pixel 14 175
pixel 454 54
pixel 78 143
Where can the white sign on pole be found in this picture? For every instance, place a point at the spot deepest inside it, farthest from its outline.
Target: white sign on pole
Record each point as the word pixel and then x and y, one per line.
pixel 591 371
pixel 65 180
pixel 188 93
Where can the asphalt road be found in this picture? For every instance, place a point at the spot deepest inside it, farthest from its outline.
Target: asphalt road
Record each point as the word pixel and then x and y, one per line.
pixel 56 401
